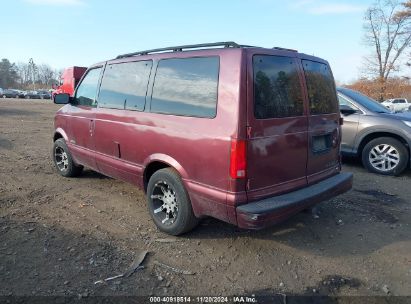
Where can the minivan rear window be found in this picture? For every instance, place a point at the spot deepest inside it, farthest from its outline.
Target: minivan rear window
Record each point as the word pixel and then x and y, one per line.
pixel 321 88
pixel 277 88
pixel 186 86
pixel 124 85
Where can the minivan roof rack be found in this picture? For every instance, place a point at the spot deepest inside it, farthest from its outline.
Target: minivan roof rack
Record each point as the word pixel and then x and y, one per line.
pixel 180 48
pixel 284 49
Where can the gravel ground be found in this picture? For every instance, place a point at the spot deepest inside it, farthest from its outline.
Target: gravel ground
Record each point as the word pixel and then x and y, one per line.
pixel 59 236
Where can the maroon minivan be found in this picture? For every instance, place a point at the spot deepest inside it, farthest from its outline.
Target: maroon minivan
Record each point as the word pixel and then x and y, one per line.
pixel 247 135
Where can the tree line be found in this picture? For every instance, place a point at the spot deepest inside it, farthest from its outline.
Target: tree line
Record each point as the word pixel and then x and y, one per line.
pixel 394 87
pixel 27 75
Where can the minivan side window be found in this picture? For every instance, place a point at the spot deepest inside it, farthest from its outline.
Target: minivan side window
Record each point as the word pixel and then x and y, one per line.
pixel 87 90
pixel 277 87
pixel 186 86
pixel 321 88
pixel 124 85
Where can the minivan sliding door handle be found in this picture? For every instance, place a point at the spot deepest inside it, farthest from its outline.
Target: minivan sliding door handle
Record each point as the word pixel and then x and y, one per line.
pixel 91 127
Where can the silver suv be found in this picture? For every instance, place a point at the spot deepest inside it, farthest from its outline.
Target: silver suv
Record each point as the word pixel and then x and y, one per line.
pixel 381 138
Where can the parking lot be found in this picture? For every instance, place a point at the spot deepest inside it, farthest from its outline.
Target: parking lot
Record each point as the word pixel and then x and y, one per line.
pixel 60 236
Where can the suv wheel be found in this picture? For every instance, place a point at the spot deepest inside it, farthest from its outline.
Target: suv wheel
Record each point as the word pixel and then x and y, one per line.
pixel 63 160
pixel 385 155
pixel 169 204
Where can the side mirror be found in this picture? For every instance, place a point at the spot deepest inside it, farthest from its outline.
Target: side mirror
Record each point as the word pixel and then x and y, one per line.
pixel 346 110
pixel 62 98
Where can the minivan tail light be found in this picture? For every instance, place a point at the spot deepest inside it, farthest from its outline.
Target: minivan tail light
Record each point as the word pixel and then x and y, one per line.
pixel 238 159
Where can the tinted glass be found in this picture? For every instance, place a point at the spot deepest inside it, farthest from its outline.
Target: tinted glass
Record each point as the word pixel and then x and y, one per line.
pixel 86 92
pixel 124 85
pixel 399 101
pixel 186 87
pixel 320 87
pixel 277 88
pixel 364 101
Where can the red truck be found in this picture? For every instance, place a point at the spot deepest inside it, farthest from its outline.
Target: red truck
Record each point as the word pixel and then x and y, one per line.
pixel 69 80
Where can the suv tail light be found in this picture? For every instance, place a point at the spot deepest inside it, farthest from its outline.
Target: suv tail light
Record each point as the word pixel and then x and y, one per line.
pixel 238 159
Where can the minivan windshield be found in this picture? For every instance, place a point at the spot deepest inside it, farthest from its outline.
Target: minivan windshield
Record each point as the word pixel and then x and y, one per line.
pixel 364 101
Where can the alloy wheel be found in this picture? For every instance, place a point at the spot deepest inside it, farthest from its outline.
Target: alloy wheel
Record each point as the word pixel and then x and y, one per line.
pixel 384 157
pixel 165 204
pixel 61 159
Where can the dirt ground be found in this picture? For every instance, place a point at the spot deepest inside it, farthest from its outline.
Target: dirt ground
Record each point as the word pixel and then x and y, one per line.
pixel 59 236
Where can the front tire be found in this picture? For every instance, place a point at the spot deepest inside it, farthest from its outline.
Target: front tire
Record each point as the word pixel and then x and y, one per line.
pixel 385 155
pixel 63 160
pixel 169 204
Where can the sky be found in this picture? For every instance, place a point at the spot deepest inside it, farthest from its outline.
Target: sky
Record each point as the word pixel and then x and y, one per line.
pixel 64 33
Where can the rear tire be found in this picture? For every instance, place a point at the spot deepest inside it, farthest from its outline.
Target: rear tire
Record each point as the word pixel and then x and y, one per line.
pixel 169 204
pixel 385 155
pixel 63 160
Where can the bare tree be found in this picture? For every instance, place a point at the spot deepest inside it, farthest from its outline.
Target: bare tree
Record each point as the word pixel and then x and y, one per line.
pixel 407 12
pixel 57 76
pixel 31 74
pixel 23 72
pixel 388 30
pixel 46 74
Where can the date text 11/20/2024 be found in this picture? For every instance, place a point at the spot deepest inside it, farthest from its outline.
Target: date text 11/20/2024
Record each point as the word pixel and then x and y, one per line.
pixel 203 299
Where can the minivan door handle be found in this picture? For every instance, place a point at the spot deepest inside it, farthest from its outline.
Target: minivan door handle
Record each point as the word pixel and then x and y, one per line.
pixel 91 127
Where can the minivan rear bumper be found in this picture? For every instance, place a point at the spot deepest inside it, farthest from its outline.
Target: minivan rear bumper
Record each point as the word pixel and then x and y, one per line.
pixel 272 210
